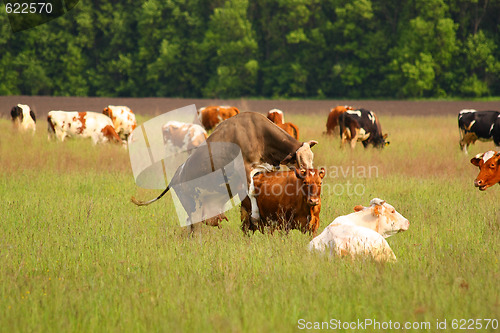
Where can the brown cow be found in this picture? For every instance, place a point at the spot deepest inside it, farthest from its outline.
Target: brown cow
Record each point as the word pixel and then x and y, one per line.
pixel 285 200
pixel 489 169
pixel 277 117
pixel 211 116
pixel 333 118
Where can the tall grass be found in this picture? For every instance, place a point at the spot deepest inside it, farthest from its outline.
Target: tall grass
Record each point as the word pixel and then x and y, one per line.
pixel 76 255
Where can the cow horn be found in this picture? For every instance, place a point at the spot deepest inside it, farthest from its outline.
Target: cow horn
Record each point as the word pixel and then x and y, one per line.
pixel 312 143
pixel 477 159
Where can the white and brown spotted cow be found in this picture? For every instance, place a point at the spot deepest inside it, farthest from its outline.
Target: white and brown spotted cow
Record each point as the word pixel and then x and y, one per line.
pixel 72 124
pixel 123 119
pixel 179 136
pixel 363 232
pixel 211 116
pixel 23 117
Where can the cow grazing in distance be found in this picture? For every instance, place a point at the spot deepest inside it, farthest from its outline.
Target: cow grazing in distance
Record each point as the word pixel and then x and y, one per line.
pixel 211 116
pixel 123 120
pixel 361 125
pixel 261 144
pixel 179 136
pixel 489 169
pixel 478 125
pixel 286 200
pixel 277 117
pixel 363 232
pixel 333 118
pixel 74 124
pixel 23 117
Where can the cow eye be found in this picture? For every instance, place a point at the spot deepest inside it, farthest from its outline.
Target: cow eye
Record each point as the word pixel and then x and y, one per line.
pixel 492 165
pixel 393 211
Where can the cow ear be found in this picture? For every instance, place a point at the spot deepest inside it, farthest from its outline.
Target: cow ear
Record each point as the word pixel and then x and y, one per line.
pixel 385 136
pixel 322 173
pixel 312 143
pixel 303 173
pixel 289 159
pixel 476 160
pixel 358 208
pixel 377 210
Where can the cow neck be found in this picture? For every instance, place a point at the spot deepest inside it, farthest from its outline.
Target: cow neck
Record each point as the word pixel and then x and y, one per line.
pixel 279 148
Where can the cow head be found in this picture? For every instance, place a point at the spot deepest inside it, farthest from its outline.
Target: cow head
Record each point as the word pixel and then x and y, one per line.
pixel 489 169
pixel 381 217
pixel 381 142
pixel 276 116
pixel 311 184
pixel 16 113
pixel 228 112
pixel 303 157
pixel 108 112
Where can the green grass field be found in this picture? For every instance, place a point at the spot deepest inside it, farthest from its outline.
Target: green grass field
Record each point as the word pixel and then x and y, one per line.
pixel 77 255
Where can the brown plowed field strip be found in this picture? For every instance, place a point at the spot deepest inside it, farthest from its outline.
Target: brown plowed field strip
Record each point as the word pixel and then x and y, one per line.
pixel 155 106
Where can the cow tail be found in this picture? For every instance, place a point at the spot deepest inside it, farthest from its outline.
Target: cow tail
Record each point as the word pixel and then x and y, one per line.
pixel 341 125
pixel 50 127
pixel 145 203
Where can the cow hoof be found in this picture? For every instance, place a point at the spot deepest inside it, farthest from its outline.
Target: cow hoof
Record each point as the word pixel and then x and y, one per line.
pixel 254 221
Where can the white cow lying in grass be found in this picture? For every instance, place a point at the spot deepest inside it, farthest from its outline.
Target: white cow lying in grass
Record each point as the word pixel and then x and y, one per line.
pixel 363 232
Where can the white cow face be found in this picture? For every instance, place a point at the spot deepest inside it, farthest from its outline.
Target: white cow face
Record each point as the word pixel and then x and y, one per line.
pixel 383 218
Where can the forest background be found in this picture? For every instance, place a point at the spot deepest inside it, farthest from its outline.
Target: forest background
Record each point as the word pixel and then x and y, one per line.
pixel 382 49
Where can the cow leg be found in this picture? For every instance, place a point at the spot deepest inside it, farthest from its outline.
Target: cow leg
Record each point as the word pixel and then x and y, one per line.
pixel 246 224
pixel 255 215
pixel 462 142
pixel 355 138
pixel 216 220
pixel 344 137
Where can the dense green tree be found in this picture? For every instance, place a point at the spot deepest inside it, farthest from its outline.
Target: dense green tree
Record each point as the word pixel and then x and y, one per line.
pixel 230 42
pixel 271 48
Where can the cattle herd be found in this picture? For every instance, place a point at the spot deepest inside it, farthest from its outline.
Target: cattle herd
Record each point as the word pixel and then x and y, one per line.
pixel 283 187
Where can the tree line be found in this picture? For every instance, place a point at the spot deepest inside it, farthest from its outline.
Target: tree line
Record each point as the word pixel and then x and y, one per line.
pixel 260 48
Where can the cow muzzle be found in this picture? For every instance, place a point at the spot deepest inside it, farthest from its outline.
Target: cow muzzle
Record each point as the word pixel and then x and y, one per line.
pixel 313 201
pixel 480 183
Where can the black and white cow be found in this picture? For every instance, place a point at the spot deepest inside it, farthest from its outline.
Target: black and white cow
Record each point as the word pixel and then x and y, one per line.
pixel 23 117
pixel 478 125
pixel 361 125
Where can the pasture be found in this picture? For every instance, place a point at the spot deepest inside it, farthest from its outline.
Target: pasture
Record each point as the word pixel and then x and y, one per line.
pixel 77 255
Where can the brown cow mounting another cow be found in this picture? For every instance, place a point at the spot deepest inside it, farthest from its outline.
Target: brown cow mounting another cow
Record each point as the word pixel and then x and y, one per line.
pixel 277 117
pixel 489 169
pixel 285 200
